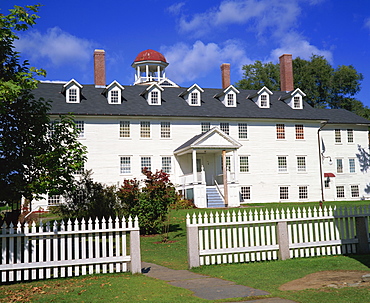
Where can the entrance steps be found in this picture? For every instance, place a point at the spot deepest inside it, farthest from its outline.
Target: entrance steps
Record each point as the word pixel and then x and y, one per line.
pixel 214 198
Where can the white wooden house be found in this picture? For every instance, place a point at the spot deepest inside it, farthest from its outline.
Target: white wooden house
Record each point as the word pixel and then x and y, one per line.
pixel 276 147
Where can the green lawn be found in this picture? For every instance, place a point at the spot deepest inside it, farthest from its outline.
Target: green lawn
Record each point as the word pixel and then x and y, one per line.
pixel 137 288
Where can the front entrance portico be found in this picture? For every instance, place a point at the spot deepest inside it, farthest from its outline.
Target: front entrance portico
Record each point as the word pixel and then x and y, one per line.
pixel 206 168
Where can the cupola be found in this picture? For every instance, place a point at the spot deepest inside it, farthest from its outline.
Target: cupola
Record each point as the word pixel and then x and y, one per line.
pixel 150 67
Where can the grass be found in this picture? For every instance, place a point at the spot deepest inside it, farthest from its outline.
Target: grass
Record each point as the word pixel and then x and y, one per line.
pixel 137 288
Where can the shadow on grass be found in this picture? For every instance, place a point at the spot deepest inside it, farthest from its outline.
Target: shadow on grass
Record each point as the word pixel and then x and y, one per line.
pixel 364 259
pixel 175 228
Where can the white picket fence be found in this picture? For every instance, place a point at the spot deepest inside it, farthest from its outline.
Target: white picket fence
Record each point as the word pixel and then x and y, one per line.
pixel 54 250
pixel 247 236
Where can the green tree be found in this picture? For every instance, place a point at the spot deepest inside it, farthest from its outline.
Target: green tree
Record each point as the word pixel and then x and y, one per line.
pixel 36 157
pixel 325 86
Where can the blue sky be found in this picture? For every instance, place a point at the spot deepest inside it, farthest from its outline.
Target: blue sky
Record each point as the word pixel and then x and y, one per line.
pixel 196 37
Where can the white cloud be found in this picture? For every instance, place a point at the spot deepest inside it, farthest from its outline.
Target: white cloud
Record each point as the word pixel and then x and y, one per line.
pixel 189 62
pixel 293 43
pixel 259 16
pixel 367 23
pixel 55 46
pixel 176 8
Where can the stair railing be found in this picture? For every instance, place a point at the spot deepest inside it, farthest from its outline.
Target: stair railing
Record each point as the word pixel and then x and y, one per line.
pixel 219 191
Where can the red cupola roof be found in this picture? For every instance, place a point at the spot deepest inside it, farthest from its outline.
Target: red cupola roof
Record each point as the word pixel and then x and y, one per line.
pixel 150 55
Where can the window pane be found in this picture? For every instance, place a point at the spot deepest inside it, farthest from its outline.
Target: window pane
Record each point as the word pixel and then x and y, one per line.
pixel 206 126
pixel 280 131
pixel 303 192
pixel 230 99
pixel 154 97
pixel 166 164
pixel 297 102
pixel 299 132
pixel 350 135
pixel 339 165
pixel 352 166
pixel 165 130
pixel 282 164
pixel 243 130
pixel 245 192
pixel 146 162
pixel 340 191
pixel 114 96
pixel 125 165
pixel 263 99
pixel 355 192
pixel 338 138
pixel 284 192
pixel 145 129
pixel 124 129
pixel 72 96
pixel 301 163
pixel 224 127
pixel 54 200
pixel 194 98
pixel 243 164
pixel 80 126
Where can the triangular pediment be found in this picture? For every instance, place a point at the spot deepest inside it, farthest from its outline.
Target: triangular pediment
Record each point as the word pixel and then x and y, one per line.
pixel 213 139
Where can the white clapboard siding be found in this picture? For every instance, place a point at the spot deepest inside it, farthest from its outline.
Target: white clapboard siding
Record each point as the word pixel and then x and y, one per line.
pixel 247 236
pixel 74 248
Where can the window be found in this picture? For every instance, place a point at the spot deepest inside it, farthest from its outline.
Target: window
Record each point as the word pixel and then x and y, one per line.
pixel 146 162
pixel 154 97
pixel 54 200
pixel 125 165
pixel 280 131
pixel 355 192
pixel 243 130
pixel 245 192
pixel 339 166
pixel 145 129
pixel 282 164
pixel 206 126
pixel 165 130
pixel 338 138
pixel 301 163
pixel 230 99
pixel 327 183
pixel 284 192
pixel 350 135
pixel 263 99
pixel 72 95
pixel 166 164
pixel 352 165
pixel 194 98
pixel 243 164
pixel 80 127
pixel 124 129
pixel 299 132
pixel 340 191
pixel 224 127
pixel 296 102
pixel 114 95
pixel 303 192
pixel 228 165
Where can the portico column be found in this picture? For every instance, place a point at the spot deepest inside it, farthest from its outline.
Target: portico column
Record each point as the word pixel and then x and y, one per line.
pixel 159 73
pixel 147 72
pixel 195 179
pixel 224 173
pixel 236 171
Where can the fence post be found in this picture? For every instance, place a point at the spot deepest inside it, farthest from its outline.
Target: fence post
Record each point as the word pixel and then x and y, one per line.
pixel 362 235
pixel 193 246
pixel 283 239
pixel 135 249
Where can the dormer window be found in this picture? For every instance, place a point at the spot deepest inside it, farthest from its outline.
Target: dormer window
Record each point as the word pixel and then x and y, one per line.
pixel 153 97
pixel 261 97
pixel 192 95
pixel 113 92
pixel 264 100
pixel 228 96
pixel 294 99
pixel 230 99
pixel 72 91
pixel 153 94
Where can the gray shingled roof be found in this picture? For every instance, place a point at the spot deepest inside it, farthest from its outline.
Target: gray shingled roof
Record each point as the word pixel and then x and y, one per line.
pixel 94 103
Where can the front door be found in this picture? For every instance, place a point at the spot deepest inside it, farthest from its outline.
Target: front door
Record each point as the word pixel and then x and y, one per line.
pixel 208 162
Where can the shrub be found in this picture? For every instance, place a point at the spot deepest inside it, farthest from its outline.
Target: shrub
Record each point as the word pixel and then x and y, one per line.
pixel 150 203
pixel 183 204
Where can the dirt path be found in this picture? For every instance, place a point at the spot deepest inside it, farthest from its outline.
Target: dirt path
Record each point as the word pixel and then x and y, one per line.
pixel 330 278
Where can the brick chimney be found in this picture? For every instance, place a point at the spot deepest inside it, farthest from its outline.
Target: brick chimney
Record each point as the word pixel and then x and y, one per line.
pixel 225 74
pixel 286 73
pixel 99 68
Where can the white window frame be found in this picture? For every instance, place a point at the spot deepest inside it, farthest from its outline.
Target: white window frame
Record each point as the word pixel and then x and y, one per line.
pixel 145 130
pixel 301 164
pixel 80 127
pixel 282 164
pixel 280 131
pixel 114 99
pixel 124 129
pixel 73 95
pixel 264 101
pixel 297 102
pixel 243 131
pixel 299 132
pixel 355 191
pixel 125 165
pixel 165 130
pixel 146 161
pixel 352 165
pixel 244 164
pixel 350 136
pixel 167 164
pixel 205 127
pixel 245 193
pixel 225 127
pixel 230 99
pixel 194 98
pixel 340 191
pixel 337 136
pixel 339 165
pixel 283 193
pixel 303 192
pixel 54 200
pixel 154 96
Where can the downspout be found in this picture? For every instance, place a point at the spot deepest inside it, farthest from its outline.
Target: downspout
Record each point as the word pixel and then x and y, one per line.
pixel 320 160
